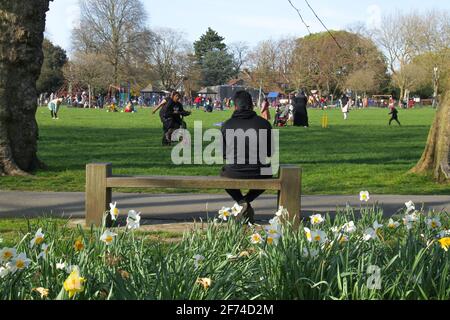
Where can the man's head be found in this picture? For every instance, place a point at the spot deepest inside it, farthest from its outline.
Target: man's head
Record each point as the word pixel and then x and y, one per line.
pixel 243 100
pixel 176 96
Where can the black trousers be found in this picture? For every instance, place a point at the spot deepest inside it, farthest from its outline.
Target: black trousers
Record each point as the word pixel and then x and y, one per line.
pixel 54 114
pixel 394 119
pixel 251 196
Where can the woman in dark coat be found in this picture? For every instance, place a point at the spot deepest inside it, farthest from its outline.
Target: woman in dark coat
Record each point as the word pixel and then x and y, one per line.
pixel 300 112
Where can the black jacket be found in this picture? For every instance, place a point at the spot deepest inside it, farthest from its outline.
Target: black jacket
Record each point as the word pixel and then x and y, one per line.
pixel 172 111
pixel 252 164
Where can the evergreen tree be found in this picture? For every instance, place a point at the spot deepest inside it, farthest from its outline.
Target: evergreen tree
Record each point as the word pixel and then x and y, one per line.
pixel 52 77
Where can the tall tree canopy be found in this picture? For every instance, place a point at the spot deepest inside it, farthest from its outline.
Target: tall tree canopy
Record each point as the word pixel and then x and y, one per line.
pixel 320 64
pixel 52 76
pixel 215 62
pixel 22 25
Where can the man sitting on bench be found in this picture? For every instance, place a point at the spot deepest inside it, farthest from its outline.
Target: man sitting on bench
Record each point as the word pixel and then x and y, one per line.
pixel 242 133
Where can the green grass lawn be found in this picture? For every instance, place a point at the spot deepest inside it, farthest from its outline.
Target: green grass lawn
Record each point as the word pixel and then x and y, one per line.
pixel 361 153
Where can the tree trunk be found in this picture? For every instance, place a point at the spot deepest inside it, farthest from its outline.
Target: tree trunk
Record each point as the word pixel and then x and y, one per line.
pixel 435 158
pixel 22 25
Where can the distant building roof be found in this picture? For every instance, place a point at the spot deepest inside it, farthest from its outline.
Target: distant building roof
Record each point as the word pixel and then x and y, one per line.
pixel 273 95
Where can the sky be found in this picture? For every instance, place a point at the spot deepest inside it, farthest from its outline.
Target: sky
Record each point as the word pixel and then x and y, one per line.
pixel 250 21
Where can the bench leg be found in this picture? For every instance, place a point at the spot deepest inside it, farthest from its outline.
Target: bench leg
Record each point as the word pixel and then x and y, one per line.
pixel 289 196
pixel 98 196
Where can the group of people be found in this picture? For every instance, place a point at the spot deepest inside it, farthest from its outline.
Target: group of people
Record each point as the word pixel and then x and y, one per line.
pixel 294 111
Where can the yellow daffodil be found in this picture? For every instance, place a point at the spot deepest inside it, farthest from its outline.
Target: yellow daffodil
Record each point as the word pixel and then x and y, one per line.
pixel 78 245
pixel 42 291
pixel 38 238
pixel 205 282
pixel 74 283
pixel 445 243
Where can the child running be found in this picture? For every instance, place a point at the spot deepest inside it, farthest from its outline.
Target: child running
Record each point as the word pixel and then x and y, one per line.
pixel 394 116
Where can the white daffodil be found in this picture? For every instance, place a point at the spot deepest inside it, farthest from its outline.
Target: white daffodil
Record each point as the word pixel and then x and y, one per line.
pixel 256 238
pixel 335 230
pixel 319 236
pixel 224 213
pixel 38 238
pixel 19 262
pixel 133 220
pixel 409 220
pixel 44 251
pixel 444 233
pixel 316 219
pixel 410 207
pixel 282 212
pixel 198 259
pixel 364 196
pixel 7 254
pixel 273 229
pixel 236 209
pixel 393 224
pixel 369 234
pixel 3 272
pixel 273 239
pixel 114 211
pixel 377 226
pixel 308 234
pixel 310 253
pixel 349 227
pixel 61 265
pixel 108 237
pixel 275 221
pixel 434 223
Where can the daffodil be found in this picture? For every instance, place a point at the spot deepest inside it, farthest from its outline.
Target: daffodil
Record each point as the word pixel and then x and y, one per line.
pixel 369 234
pixel 3 272
pixel 244 254
pixel 308 234
pixel 409 220
pixel 349 227
pixel 282 212
pixel 205 282
pixel 114 211
pixel 78 245
pixel 18 263
pixel 343 239
pixel 364 196
pixel 445 243
pixel 108 237
pixel 42 291
pixel 393 224
pixel 377 226
pixel 316 219
pixel 310 253
pixel 198 259
pixel 38 238
pixel 7 254
pixel 434 223
pixel 236 209
pixel 44 251
pixel 273 239
pixel 74 283
pixel 410 207
pixel 319 236
pixel 224 213
pixel 61 265
pixel 256 238
pixel 444 233
pixel 133 220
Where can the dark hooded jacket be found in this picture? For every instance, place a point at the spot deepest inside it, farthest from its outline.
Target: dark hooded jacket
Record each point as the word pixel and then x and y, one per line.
pixel 245 120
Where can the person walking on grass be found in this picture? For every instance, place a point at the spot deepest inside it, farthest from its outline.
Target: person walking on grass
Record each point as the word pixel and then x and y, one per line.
pixel 394 116
pixel 345 106
pixel 53 106
pixel 236 132
pixel 265 111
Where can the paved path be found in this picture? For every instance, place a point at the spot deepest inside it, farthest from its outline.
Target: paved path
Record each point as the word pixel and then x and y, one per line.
pixel 185 207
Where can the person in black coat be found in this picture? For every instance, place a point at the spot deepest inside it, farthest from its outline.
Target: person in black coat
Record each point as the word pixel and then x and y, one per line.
pixel 171 114
pixel 245 123
pixel 300 103
pixel 394 116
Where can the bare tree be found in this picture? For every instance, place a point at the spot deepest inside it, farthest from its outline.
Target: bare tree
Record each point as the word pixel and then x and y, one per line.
pixel 170 57
pixel 22 25
pixel 115 28
pixel 240 51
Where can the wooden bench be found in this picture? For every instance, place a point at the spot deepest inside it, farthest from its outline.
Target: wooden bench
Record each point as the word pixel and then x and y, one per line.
pixel 100 181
